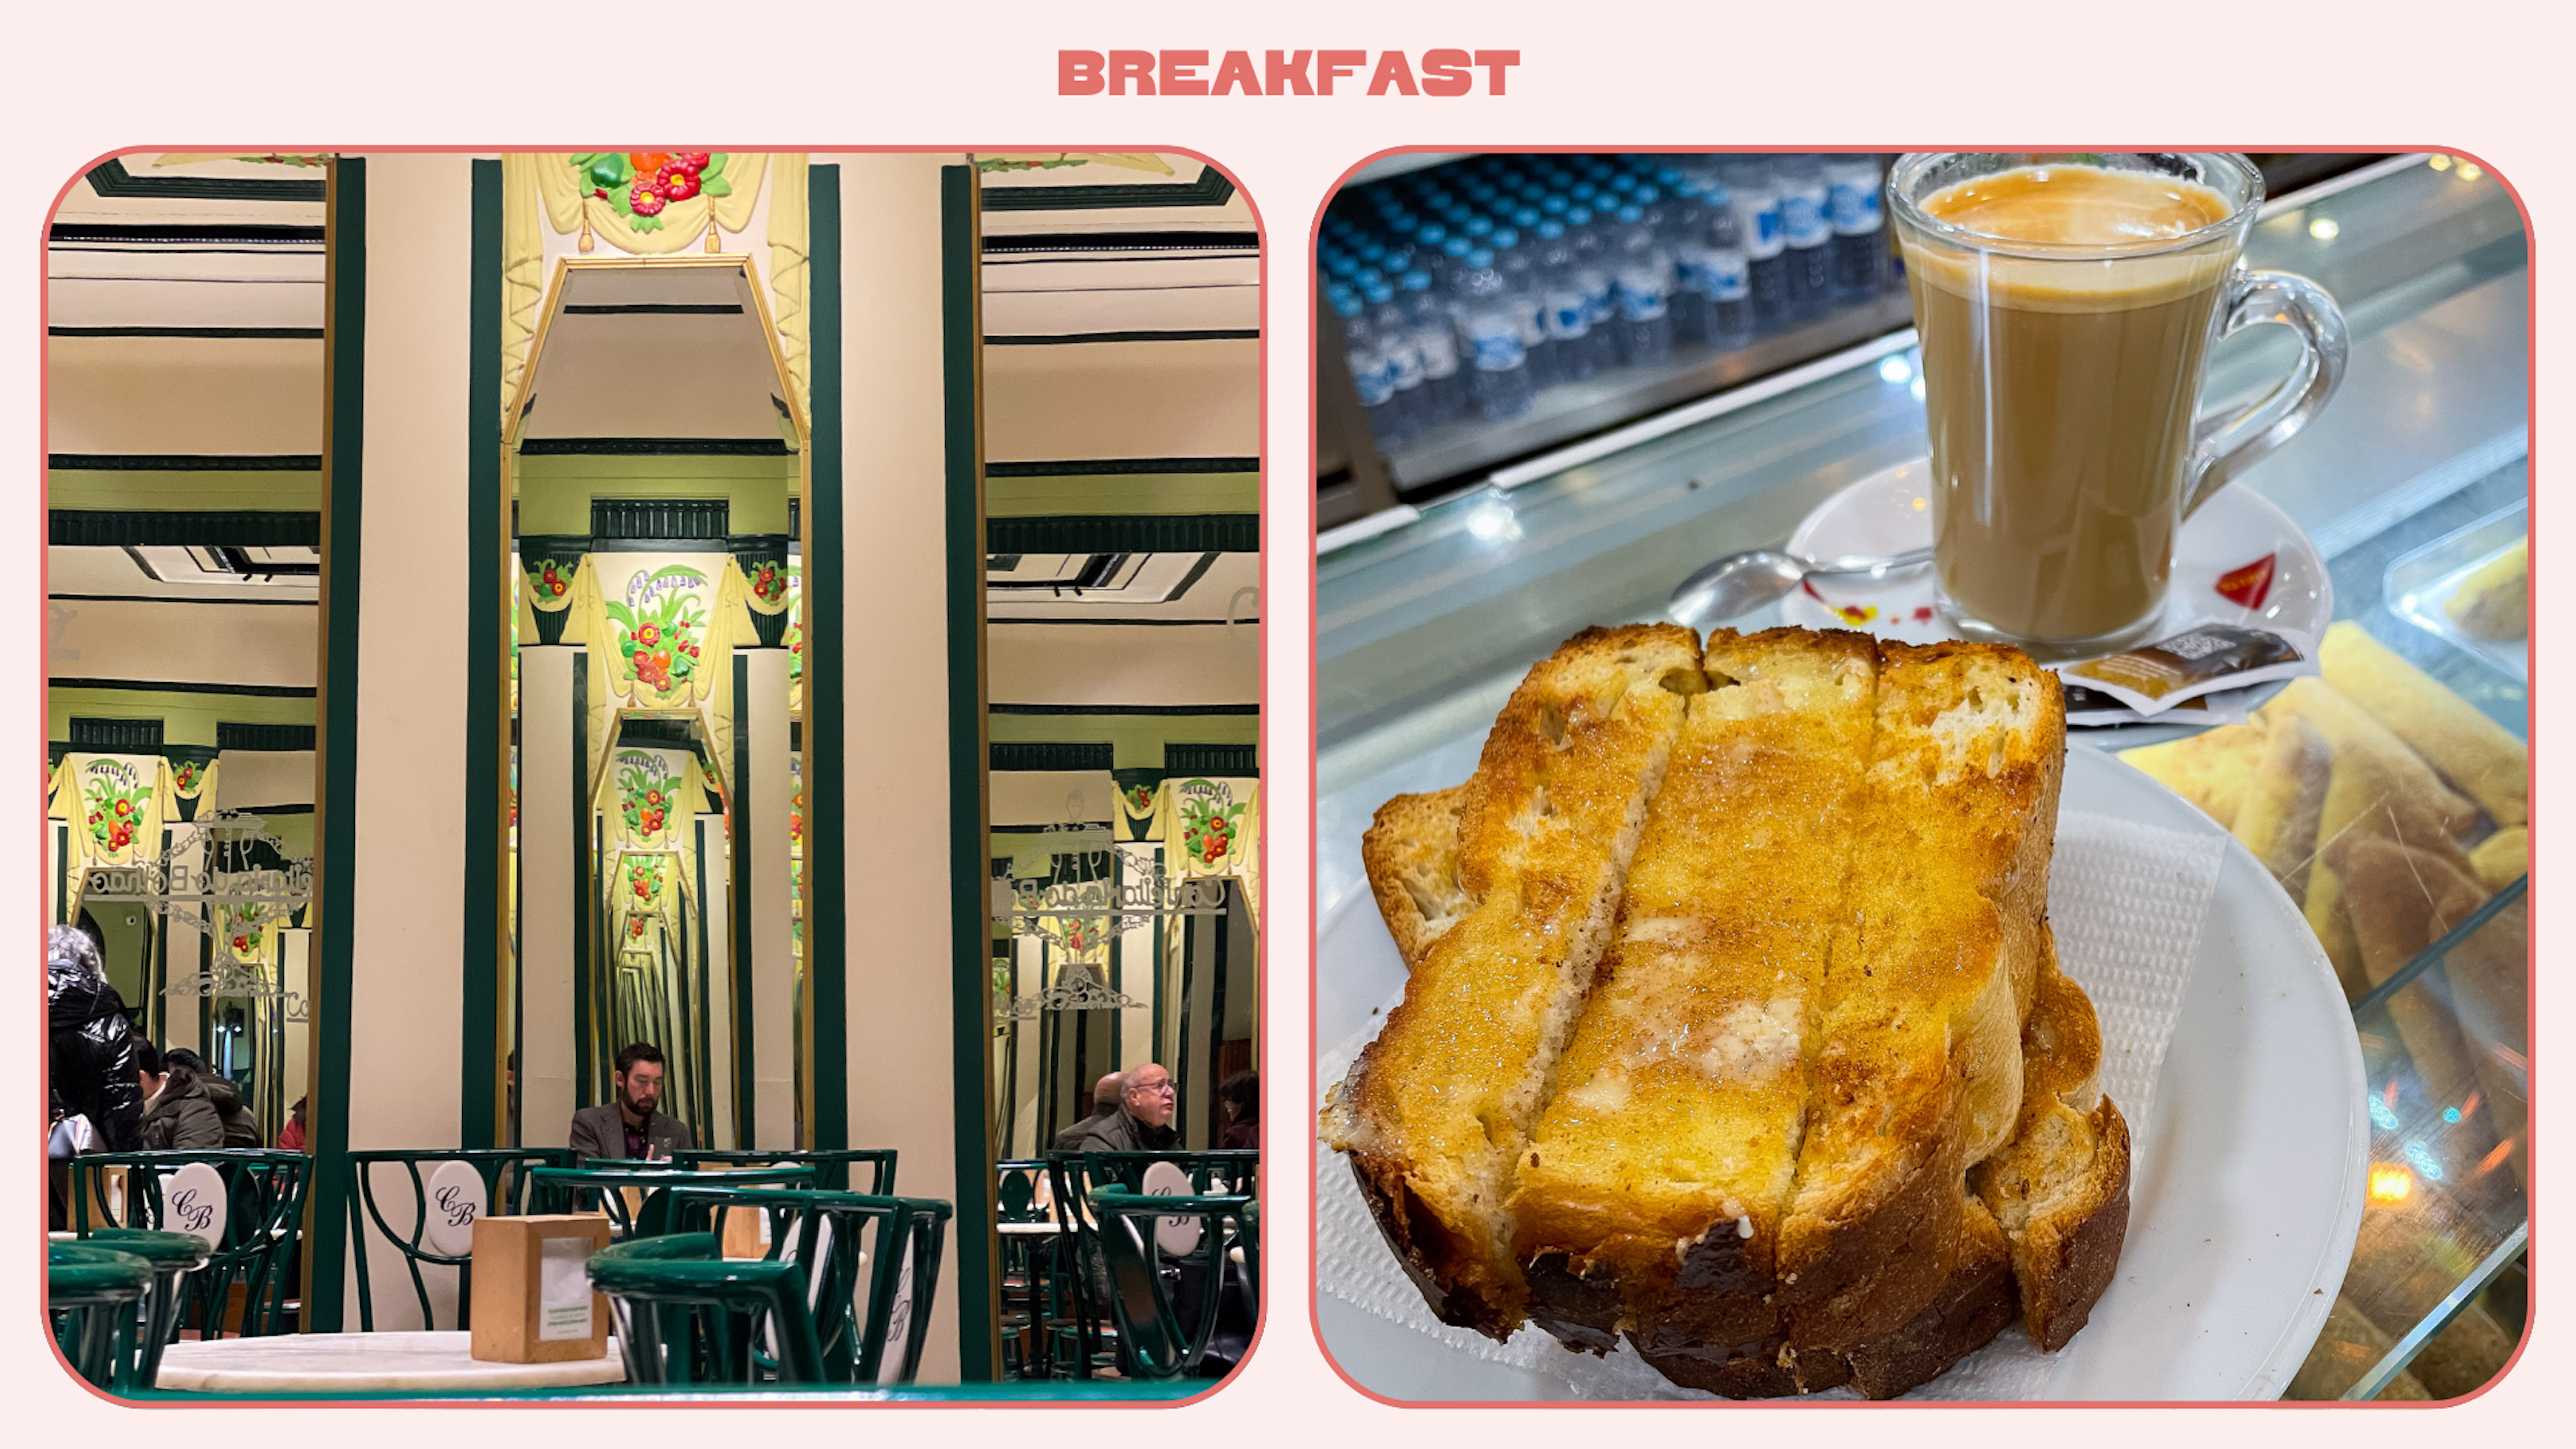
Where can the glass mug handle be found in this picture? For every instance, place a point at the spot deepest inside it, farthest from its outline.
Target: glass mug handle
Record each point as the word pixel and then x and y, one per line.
pixel 2226 446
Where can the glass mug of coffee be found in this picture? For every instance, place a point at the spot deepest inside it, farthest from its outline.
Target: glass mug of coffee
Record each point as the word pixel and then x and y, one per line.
pixel 2067 305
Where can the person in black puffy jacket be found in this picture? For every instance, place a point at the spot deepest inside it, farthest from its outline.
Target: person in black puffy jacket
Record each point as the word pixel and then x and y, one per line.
pixel 91 1043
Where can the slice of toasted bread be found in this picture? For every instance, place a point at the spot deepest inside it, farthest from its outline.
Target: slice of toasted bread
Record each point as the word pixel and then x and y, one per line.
pixel 1971 1308
pixel 1411 854
pixel 1935 960
pixel 1436 1112
pixel 2060 1188
pixel 1651 1196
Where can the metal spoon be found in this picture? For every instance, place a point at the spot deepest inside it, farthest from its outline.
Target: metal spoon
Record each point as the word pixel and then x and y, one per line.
pixel 1740 583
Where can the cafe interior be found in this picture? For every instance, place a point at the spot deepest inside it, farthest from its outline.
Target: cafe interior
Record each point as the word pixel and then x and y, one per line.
pixel 759 651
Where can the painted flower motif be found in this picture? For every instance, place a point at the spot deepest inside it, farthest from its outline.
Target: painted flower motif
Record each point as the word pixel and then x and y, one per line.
pixel 678 185
pixel 645 201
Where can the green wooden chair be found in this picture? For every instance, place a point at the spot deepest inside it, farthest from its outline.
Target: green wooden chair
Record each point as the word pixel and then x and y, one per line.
pixel 93 1296
pixel 686 1314
pixel 264 1219
pixel 173 1257
pixel 505 1189
pixel 1159 1344
pixel 871 1266
pixel 1217 1173
pixel 600 1187
pixel 831 1164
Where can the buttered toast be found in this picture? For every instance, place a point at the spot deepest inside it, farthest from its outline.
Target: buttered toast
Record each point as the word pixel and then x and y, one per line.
pixel 1732 1115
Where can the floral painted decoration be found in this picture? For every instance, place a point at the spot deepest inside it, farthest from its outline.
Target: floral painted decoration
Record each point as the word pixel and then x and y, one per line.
pixel 640 185
pixel 1207 829
pixel 114 812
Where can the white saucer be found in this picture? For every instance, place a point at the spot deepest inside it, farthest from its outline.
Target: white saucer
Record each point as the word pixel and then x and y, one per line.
pixel 1891 511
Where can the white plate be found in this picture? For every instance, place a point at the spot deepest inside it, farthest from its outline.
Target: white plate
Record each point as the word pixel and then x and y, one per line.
pixel 1891 511
pixel 2247 1186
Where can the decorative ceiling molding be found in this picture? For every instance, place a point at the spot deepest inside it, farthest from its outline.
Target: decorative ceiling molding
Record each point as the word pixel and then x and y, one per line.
pixel 1052 755
pixel 185 462
pixel 1194 334
pixel 225 333
pixel 110 179
pixel 1106 467
pixel 1211 188
pixel 1120 241
pixel 229 528
pixel 1140 533
pixel 203 234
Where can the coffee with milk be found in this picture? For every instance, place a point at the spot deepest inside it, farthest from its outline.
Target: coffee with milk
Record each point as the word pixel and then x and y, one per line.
pixel 2066 313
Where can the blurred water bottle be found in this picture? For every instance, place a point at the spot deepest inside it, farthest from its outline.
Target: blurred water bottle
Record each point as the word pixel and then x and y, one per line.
pixel 1514 257
pixel 1727 277
pixel 1860 227
pixel 1756 203
pixel 1444 391
pixel 1687 235
pixel 1808 231
pixel 1569 321
pixel 1498 380
pixel 1591 272
pixel 1645 329
pixel 1369 375
pixel 1399 355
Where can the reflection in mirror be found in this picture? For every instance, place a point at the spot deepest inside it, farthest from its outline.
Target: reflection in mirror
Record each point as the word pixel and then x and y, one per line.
pixel 655 454
pixel 182 587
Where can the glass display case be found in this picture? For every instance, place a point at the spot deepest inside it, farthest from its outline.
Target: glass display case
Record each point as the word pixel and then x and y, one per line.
pixel 2409 484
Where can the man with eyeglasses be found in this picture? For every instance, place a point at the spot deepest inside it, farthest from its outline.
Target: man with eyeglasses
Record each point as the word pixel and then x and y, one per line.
pixel 1143 1121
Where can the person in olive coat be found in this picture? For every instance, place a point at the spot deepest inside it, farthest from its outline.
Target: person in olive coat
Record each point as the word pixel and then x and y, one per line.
pixel 90 1041
pixel 178 1116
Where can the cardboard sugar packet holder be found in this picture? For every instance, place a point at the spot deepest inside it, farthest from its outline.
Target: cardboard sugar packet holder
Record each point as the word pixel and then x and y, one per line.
pixel 533 1301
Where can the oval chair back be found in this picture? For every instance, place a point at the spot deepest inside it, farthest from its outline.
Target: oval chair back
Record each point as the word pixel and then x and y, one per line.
pixel 1159 1344
pixel 832 1165
pixel 262 1221
pixel 871 1266
pixel 172 1256
pixel 686 1314
pixel 636 1196
pixel 92 1295
pixel 504 1172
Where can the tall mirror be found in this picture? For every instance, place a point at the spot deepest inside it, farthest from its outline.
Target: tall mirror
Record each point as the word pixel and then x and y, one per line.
pixel 655 452
pixel 184 412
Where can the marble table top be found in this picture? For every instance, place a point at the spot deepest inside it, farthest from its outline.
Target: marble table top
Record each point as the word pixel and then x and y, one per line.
pixel 327 1362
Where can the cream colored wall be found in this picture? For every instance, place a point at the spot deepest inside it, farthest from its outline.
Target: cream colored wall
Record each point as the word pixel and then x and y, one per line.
pixel 405 904
pixel 1123 400
pixel 183 394
pixel 1084 664
pixel 236 644
pixel 763 719
pixel 895 748
pixel 546 836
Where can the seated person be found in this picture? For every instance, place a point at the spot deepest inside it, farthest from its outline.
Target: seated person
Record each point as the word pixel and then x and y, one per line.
pixel 240 1128
pixel 629 1127
pixel 177 1117
pixel 1105 1097
pixel 1142 1123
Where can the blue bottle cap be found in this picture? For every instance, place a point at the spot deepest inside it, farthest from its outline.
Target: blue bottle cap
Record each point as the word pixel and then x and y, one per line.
pixel 1504 237
pixel 1578 216
pixel 1551 229
pixel 1480 258
pixel 1376 289
pixel 1632 213
pixel 1417 280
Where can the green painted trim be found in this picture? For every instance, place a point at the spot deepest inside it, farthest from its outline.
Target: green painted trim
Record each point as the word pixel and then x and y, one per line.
pixel 109 178
pixel 132 524
pixel 1078 339
pixel 827 918
pixel 1218 761
pixel 253 334
pixel 186 686
pixel 969 849
pixel 335 835
pixel 738 920
pixel 1134 494
pixel 1209 189
pixel 1138 533
pixel 300 238
pixel 1108 467
pixel 1078 243
pixel 585 893
pixel 487 664
pixel 1051 755
pixel 1112 710
pixel 1136 741
pixel 654 447
pixel 185 463
pixel 233 734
